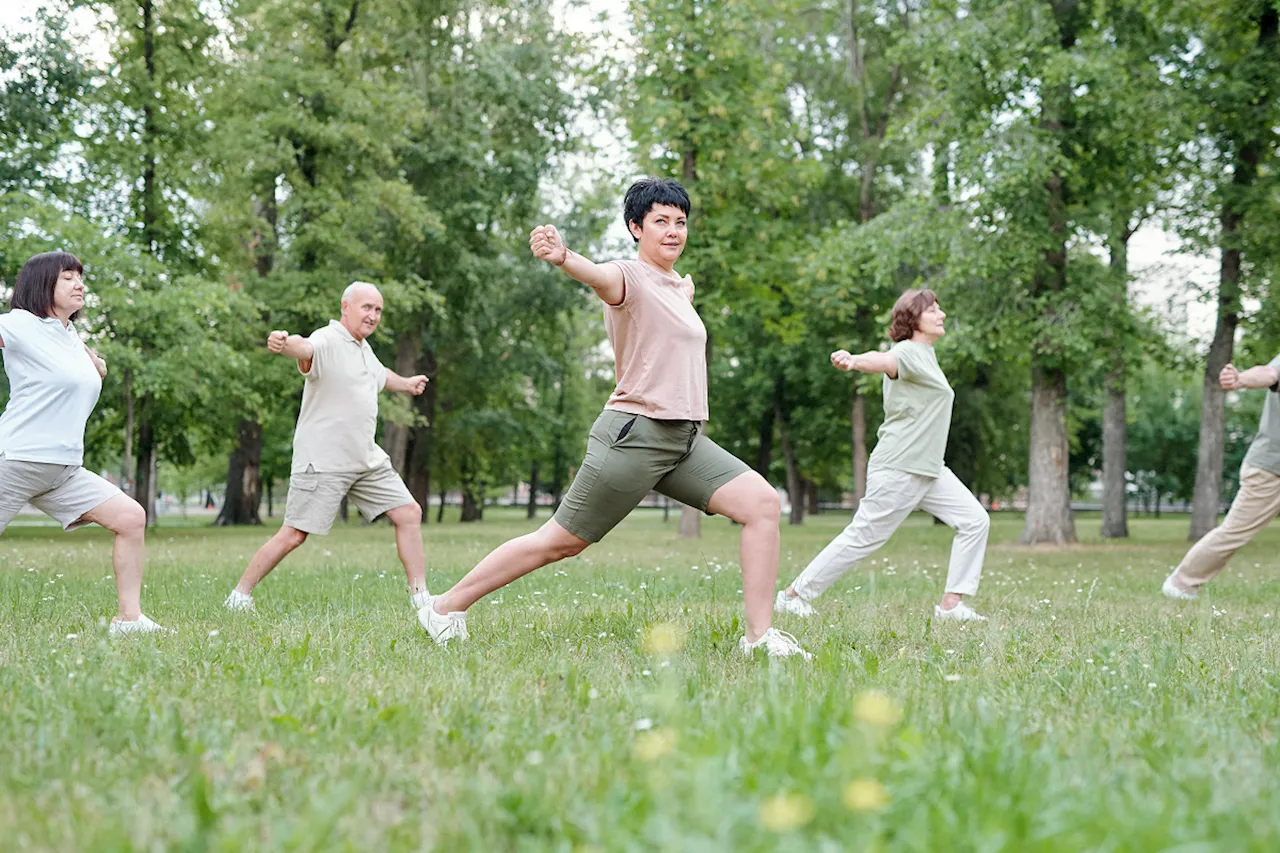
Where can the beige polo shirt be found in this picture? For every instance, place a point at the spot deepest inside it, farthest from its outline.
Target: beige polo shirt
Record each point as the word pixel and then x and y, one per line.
pixel 339 405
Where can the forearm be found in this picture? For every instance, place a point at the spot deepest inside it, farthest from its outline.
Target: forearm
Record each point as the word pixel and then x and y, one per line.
pixel 1262 376
pixel 875 362
pixel 604 279
pixel 297 348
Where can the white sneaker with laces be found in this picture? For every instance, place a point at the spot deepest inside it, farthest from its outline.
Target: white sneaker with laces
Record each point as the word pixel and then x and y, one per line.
pixel 443 628
pixel 419 599
pixel 795 605
pixel 141 625
pixel 960 613
pixel 779 644
pixel 1172 590
pixel 239 601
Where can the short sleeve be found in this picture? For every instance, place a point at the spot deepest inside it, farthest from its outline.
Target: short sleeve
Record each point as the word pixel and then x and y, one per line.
pixel 631 283
pixel 9 331
pixel 381 370
pixel 912 363
pixel 321 343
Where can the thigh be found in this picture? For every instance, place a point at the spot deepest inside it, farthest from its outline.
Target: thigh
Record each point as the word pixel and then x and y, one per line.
pixel 379 491
pixel 76 492
pixel 314 499
pixel 706 468
pixel 626 456
pixel 951 502
pixel 891 496
pixel 1255 504
pixel 19 483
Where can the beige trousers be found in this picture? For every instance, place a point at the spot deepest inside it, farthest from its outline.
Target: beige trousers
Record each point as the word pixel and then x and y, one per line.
pixel 1257 502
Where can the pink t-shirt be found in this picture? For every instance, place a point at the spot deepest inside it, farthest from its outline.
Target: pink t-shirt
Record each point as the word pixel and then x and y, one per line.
pixel 659 346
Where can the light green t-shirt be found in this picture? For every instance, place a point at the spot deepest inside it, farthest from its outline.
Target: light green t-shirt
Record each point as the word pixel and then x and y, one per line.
pixel 917 413
pixel 1264 452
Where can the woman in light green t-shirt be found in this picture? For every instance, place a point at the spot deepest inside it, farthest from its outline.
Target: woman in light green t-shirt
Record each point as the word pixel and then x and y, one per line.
pixel 905 471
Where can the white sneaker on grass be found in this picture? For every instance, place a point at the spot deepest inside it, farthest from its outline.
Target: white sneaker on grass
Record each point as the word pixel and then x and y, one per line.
pixel 419 599
pixel 239 601
pixel 779 644
pixel 793 604
pixel 960 613
pixel 141 625
pixel 443 628
pixel 1172 590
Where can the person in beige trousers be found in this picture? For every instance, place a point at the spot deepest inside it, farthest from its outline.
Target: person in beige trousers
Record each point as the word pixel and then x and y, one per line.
pixel 1258 500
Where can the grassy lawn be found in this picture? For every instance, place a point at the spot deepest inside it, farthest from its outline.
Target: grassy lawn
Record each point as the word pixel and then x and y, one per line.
pixel 1089 714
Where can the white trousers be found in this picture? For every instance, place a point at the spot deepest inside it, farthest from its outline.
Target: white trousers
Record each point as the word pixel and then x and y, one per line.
pixel 891 496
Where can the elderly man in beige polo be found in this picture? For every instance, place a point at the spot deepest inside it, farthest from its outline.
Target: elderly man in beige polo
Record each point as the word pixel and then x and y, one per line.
pixel 334 454
pixel 1258 500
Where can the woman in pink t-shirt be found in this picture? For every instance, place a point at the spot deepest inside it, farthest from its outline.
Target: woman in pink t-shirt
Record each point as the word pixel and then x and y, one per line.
pixel 651 435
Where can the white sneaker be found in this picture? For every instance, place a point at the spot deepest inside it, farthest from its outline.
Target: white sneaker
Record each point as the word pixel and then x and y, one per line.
pixel 960 613
pixel 141 625
pixel 779 644
pixel 419 599
pixel 239 601
pixel 795 605
pixel 451 626
pixel 1172 590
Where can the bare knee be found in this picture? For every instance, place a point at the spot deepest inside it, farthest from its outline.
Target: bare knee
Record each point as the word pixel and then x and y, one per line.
pixel 290 537
pixel 559 545
pixel 409 515
pixel 762 506
pixel 130 521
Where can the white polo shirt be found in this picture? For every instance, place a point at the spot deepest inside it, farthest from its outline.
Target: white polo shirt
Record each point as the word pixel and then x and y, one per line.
pixel 53 387
pixel 339 405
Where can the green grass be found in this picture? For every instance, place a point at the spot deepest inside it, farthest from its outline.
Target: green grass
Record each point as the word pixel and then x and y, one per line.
pixel 1089 714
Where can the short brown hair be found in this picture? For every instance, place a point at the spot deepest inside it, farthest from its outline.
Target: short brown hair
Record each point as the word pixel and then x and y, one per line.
pixel 906 313
pixel 33 291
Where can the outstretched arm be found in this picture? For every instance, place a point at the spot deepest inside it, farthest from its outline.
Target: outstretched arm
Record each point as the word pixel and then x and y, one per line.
pixel 867 362
pixel 292 346
pixel 1262 376
pixel 605 279
pixel 414 385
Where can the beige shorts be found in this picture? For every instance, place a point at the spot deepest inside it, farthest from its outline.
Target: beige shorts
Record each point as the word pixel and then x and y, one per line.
pixel 62 492
pixel 315 497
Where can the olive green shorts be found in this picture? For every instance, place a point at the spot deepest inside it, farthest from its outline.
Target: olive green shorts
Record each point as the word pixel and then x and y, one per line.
pixel 629 456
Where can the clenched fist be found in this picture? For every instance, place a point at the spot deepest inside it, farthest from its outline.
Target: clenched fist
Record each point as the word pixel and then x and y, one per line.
pixel 1229 378
pixel 546 244
pixel 842 359
pixel 276 341
pixel 416 384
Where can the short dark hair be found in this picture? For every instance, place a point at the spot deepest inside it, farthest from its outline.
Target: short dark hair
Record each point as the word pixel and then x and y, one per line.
pixel 906 313
pixel 646 193
pixel 33 291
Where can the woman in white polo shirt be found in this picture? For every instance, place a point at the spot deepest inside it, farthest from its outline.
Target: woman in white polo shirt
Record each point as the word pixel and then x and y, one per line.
pixel 54 383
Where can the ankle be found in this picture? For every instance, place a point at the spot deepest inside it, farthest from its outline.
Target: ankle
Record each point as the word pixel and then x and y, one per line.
pixel 128 614
pixel 951 599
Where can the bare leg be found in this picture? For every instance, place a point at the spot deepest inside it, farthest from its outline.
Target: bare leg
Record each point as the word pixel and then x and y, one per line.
pixel 124 517
pixel 749 500
pixel 269 556
pixel 408 523
pixel 509 561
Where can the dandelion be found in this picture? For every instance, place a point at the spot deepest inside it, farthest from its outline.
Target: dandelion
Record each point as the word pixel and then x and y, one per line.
pixel 785 812
pixel 952 677
pixel 213 633
pixel 651 746
pixel 876 709
pixel 664 638
pixel 72 636
pixel 644 724
pixel 865 795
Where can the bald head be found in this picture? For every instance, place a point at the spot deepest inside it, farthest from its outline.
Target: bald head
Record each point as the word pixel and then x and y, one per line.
pixel 361 309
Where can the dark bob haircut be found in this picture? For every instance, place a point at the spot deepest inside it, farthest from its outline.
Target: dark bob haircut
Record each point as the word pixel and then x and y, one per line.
pixel 906 313
pixel 33 290
pixel 646 193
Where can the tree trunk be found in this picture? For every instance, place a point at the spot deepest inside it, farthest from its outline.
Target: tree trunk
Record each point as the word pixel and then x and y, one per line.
pixel 532 511
pixel 126 461
pixel 271 500
pixel 690 523
pixel 1208 488
pixel 1049 491
pixel 470 506
pixel 244 478
pixel 859 420
pixel 420 448
pixel 440 511
pixel 811 497
pixel 143 487
pixel 344 510
pixel 1115 523
pixel 795 483
pixel 396 436
pixel 764 453
pixel 666 509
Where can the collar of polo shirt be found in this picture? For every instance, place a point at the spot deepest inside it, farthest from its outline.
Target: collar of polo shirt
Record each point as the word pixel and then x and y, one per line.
pixel 345 332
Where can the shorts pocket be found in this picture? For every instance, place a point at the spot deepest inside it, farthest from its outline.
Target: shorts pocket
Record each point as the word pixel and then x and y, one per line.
pixel 304 482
